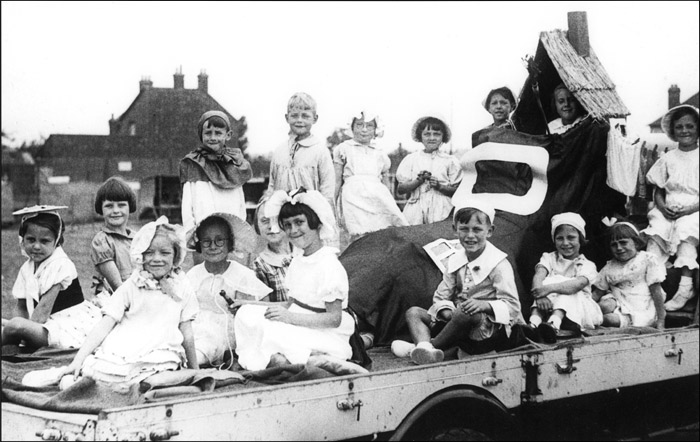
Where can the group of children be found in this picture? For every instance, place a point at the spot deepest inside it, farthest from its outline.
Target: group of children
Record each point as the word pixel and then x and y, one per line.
pixel 144 315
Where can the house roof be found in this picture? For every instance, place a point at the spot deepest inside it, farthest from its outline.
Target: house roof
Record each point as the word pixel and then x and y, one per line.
pixel 693 101
pixel 584 76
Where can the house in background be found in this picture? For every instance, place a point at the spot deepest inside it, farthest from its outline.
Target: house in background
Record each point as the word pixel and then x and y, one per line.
pixel 144 145
pixel 674 99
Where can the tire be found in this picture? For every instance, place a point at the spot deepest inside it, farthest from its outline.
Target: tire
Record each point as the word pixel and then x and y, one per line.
pixel 457 433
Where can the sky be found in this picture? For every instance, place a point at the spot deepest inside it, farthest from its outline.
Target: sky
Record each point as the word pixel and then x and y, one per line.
pixel 67 67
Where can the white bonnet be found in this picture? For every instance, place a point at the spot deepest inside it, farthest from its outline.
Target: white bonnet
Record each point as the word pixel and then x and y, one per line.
pixel 573 219
pixel 368 116
pixel 142 240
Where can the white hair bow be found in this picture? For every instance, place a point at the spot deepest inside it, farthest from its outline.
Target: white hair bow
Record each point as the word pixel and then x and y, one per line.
pixel 612 221
pixel 312 198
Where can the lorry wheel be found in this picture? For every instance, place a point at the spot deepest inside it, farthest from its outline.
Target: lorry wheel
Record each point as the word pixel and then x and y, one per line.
pixel 457 433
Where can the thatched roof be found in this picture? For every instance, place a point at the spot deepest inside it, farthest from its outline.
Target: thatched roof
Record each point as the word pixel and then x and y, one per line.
pixel 584 76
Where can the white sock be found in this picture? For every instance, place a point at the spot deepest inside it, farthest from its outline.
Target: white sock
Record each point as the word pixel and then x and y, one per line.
pixel 555 321
pixel 535 320
pixel 686 280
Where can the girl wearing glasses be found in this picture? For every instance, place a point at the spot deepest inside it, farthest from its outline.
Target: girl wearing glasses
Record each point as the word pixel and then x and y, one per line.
pixel 218 281
pixel 364 202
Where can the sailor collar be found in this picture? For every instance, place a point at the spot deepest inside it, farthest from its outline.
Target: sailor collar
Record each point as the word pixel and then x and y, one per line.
pixel 482 266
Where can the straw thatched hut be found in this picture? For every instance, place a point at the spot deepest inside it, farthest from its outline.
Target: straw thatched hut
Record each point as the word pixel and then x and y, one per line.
pixel 566 56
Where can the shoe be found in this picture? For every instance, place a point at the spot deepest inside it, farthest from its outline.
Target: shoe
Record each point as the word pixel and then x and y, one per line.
pixel 426 355
pixel 569 329
pixel 532 333
pixel 683 295
pixel 548 333
pixel 402 349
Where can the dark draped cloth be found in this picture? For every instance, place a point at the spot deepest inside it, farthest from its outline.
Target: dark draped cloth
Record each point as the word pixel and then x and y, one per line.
pixel 220 169
pixel 389 271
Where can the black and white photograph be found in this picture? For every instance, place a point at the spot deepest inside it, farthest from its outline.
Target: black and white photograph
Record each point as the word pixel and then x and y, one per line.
pixel 350 220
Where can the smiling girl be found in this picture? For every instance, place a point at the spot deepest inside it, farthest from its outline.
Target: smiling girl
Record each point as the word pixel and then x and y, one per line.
pixel 313 323
pixel 430 177
pixel 674 222
pixel 628 288
pixel 46 286
pixel 365 203
pixel 561 286
pixel 147 323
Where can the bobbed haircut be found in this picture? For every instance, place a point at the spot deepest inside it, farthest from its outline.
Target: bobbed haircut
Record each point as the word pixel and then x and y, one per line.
pixel 465 214
pixel 620 231
pixel 434 124
pixel 581 239
pixel 214 221
pixel 289 210
pixel 683 111
pixel 48 221
pixel 115 189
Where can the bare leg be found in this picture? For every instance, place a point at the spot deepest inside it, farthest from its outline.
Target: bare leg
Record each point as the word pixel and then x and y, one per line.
pixel 418 321
pixel 458 325
pixel 17 329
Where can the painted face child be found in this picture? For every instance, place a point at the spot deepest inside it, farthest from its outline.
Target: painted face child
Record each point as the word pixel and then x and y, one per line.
pixel 264 228
pixel 473 228
pixel 215 134
pixel 364 132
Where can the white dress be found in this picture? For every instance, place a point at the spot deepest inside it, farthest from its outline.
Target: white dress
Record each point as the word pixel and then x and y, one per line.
pixel 213 327
pixel 678 173
pixel 312 280
pixel 366 205
pixel 580 306
pixel 629 283
pixel 427 205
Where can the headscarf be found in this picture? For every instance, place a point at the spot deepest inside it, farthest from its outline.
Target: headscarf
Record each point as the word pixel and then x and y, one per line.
pixel 312 198
pixel 570 218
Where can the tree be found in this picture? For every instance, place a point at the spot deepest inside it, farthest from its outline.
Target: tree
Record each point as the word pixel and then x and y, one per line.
pixel 242 138
pixel 338 136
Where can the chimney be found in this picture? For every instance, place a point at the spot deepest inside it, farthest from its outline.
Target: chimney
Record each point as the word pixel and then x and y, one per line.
pixel 203 81
pixel 145 83
pixel 113 125
pixel 578 33
pixel 179 79
pixel 674 96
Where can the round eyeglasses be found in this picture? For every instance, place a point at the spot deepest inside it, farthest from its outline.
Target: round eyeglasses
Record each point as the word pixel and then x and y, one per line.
pixel 218 242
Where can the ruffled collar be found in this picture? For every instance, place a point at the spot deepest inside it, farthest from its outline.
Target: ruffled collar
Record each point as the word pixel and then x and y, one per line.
pixel 277 259
pixel 482 266
pixel 169 284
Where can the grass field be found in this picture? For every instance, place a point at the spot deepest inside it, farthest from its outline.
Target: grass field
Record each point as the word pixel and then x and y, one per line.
pixel 76 245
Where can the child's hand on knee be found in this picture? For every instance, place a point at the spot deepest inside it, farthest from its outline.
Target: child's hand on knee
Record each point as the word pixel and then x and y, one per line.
pixel 473 306
pixel 544 304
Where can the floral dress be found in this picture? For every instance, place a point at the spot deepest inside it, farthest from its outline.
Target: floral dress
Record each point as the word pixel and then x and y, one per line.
pixel 628 283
